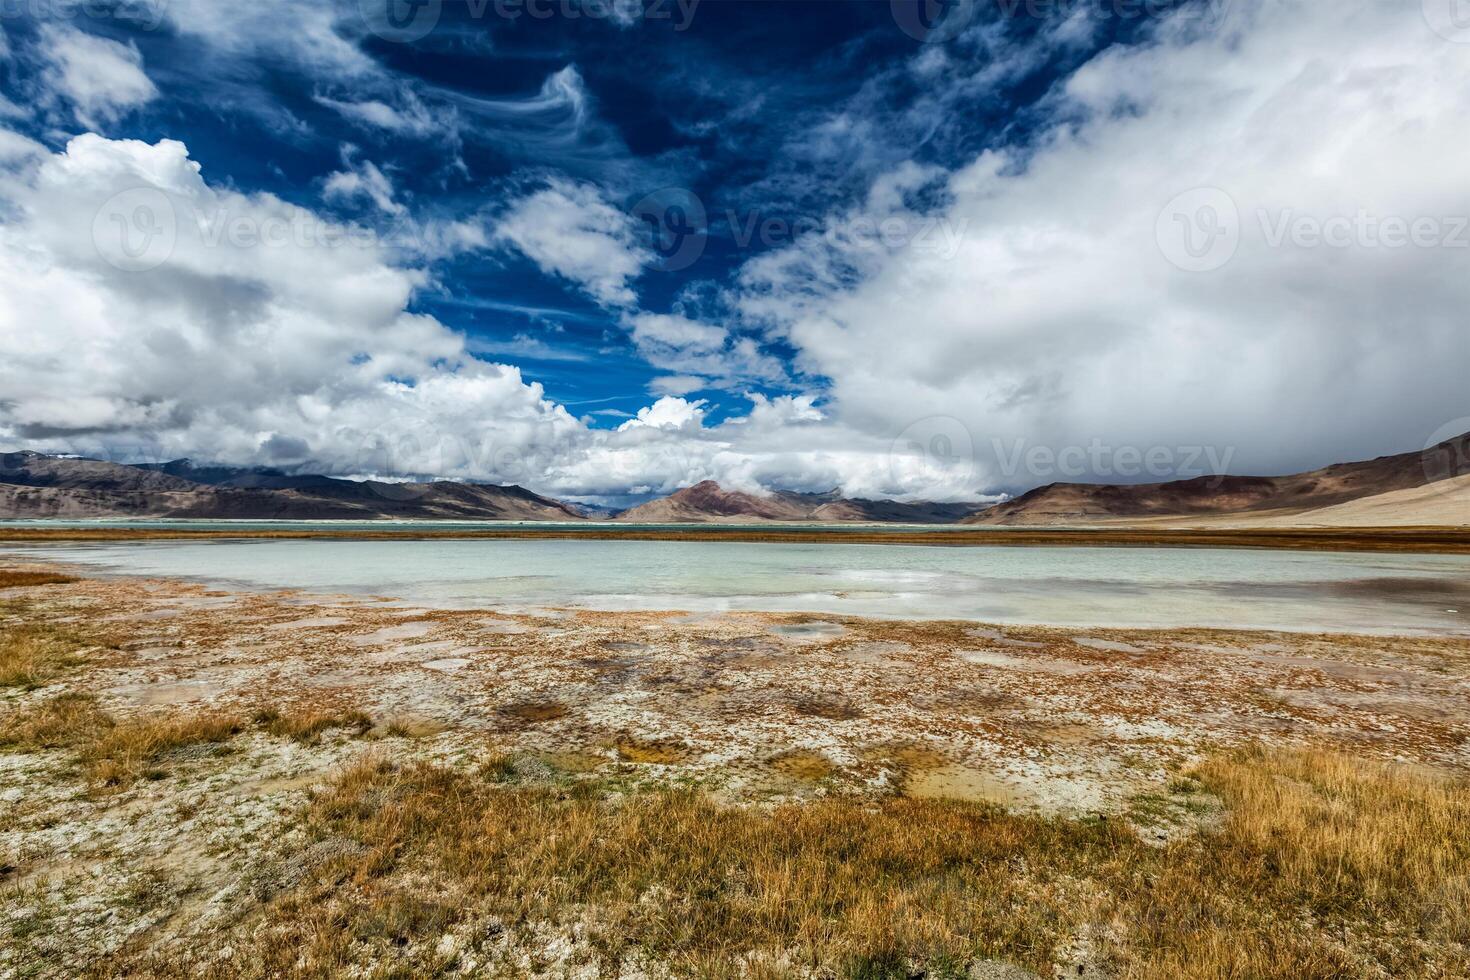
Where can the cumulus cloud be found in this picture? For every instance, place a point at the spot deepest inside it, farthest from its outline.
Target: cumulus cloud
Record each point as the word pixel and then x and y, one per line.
pixel 183 318
pixel 568 230
pixel 190 336
pixel 100 78
pixel 668 413
pixel 1060 318
pixel 1038 294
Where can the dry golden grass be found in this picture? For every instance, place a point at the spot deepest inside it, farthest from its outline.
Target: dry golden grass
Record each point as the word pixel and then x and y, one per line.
pixel 116 753
pixel 670 873
pixel 31 657
pixel 64 721
pixel 1315 846
pixel 10 579
pixel 33 651
pixel 126 751
pixel 1323 866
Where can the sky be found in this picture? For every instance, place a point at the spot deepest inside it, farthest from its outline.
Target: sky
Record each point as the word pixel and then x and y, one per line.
pixel 604 249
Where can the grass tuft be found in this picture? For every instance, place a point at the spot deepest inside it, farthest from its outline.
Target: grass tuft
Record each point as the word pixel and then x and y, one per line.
pixel 115 754
pixel 12 579
pixel 306 725
pixel 64 721
pixel 129 750
pixel 32 656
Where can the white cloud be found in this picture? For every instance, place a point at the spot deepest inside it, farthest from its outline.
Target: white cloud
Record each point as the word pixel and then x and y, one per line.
pixel 568 230
pixel 668 413
pixel 319 36
pixel 226 348
pixel 279 350
pixel 1058 319
pixel 699 354
pixel 100 78
pixel 15 147
pixel 362 179
pixel 411 118
pixel 1050 315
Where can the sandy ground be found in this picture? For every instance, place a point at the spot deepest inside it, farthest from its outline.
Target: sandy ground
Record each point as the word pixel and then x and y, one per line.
pixel 1443 504
pixel 755 707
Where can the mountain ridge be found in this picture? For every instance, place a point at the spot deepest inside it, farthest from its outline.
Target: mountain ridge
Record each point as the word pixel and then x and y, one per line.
pixel 1211 496
pixel 38 486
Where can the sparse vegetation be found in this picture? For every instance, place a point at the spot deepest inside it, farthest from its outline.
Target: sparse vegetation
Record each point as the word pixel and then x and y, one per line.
pixel 564 847
pixel 126 751
pixel 60 722
pixel 12 579
pixel 1323 866
pixel 30 657
pixel 307 724
pixel 117 753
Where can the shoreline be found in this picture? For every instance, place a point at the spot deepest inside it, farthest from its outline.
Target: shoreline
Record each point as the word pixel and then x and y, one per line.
pixel 1414 540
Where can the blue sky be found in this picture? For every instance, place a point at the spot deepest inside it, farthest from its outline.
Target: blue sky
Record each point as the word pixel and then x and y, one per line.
pixel 809 242
pixel 722 100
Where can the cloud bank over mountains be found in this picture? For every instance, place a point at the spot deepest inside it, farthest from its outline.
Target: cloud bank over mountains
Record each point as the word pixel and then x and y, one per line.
pixel 1242 232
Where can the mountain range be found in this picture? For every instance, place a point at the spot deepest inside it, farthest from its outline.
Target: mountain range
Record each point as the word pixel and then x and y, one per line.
pixel 708 501
pixel 1250 498
pixel 34 486
pixel 1430 487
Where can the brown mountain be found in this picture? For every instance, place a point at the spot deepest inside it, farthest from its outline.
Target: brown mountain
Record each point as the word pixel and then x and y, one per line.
pixel 708 502
pixel 1258 497
pixel 37 486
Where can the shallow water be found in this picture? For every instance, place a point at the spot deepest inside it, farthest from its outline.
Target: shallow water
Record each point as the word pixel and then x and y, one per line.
pixel 1073 587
